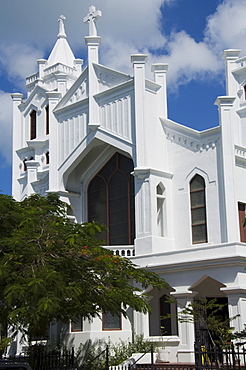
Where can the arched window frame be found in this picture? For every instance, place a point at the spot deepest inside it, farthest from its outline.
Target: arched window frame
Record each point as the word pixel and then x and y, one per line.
pixel 105 186
pixel 160 200
pixel 47 120
pixel 33 124
pixel 198 210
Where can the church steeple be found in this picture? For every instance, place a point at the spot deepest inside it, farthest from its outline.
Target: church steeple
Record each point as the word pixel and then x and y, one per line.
pixel 60 70
pixel 61 52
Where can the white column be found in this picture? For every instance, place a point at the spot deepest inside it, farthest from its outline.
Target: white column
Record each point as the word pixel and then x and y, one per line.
pixel 54 145
pixel 62 83
pixel 186 330
pixel 17 143
pixel 93 43
pixel 141 323
pixel 41 66
pixel 228 204
pixel 160 75
pixel 236 306
pixel 139 61
pixel 31 169
pixel 78 65
pixel 230 56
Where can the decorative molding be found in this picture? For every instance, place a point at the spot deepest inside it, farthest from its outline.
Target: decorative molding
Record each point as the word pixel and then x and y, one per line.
pixel 242 111
pixel 225 101
pixel 151 86
pixel 108 79
pixel 59 68
pixel 32 79
pixel 115 116
pixel 77 93
pixel 240 156
pixel 71 133
pixel 198 144
pixel 143 173
pixel 36 144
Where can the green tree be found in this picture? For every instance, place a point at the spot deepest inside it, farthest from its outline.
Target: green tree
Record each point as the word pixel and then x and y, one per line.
pixel 209 314
pixel 51 268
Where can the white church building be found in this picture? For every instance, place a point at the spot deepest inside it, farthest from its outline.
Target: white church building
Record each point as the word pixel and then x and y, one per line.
pixel 173 198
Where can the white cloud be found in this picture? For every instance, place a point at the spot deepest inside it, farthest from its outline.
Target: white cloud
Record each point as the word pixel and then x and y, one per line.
pixel 5 126
pixel 189 60
pixel 36 23
pixel 226 28
pixel 19 61
pixel 127 27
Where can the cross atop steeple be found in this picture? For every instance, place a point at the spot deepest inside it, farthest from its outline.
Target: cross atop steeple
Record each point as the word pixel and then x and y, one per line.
pixel 62 32
pixel 91 18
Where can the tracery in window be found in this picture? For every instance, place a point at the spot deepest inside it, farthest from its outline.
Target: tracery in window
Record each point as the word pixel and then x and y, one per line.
pixel 198 210
pixel 33 124
pixel 111 200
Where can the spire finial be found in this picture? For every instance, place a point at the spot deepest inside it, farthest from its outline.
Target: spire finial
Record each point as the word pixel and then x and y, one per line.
pixel 91 18
pixel 62 32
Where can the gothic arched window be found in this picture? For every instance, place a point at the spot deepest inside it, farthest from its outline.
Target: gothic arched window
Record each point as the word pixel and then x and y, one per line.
pixel 33 125
pixel 47 121
pixel 198 210
pixel 160 195
pixel 111 200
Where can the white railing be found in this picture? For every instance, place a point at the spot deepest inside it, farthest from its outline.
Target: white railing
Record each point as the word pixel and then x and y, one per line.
pixel 32 78
pixel 122 250
pixel 58 68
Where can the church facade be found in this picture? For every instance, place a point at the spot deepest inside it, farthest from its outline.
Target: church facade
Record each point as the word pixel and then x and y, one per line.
pixel 173 198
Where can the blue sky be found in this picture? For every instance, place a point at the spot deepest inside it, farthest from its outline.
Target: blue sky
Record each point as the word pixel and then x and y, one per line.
pixel 190 35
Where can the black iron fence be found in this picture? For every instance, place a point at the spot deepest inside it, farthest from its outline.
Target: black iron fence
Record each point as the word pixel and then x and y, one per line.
pixel 232 357
pixel 53 360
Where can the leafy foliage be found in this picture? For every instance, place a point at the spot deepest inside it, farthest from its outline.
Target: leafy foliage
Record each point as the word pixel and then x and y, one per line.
pixel 208 313
pixel 241 334
pixel 51 268
pixel 93 354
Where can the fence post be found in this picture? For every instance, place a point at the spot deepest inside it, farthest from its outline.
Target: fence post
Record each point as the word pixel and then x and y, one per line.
pixel 198 355
pixel 152 357
pixel 233 356
pixel 107 357
pixel 72 357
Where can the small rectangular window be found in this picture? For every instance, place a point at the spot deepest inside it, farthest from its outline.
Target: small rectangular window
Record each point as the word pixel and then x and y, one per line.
pixel 77 324
pixel 111 322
